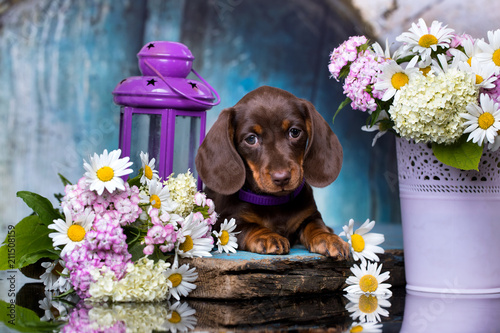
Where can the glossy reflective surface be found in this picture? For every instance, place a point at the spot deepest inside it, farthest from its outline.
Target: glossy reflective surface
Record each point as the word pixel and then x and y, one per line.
pixel 404 311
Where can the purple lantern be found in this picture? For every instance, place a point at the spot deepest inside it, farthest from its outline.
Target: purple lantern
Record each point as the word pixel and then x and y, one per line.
pixel 162 112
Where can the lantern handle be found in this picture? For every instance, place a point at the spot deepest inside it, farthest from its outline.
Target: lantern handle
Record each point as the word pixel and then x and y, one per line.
pixel 217 97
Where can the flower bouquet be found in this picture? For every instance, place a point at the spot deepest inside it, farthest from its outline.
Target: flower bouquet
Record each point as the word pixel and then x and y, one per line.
pixel 437 87
pixel 118 241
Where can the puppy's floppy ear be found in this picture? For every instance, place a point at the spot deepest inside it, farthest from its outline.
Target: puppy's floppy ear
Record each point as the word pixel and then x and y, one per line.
pixel 217 161
pixel 323 157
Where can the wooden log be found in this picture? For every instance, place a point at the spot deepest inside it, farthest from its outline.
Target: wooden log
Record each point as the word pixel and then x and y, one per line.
pixel 246 275
pixel 273 313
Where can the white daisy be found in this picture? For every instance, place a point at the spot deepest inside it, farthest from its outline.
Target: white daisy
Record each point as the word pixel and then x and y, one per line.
pixel 192 240
pixel 158 197
pixel 424 40
pixel 53 310
pixel 226 239
pixel 484 73
pixel 367 279
pixel 364 244
pixel 71 233
pixel 180 318
pixel 367 308
pixel 483 120
pixel 148 167
pixel 380 126
pixel 54 277
pixel 105 171
pixel 393 77
pixel 495 145
pixel 182 279
pixel 491 50
pixel 470 50
pixel 441 65
pixel 370 327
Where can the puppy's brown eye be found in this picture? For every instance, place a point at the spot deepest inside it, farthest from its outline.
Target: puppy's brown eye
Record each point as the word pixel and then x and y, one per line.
pixel 251 140
pixel 294 133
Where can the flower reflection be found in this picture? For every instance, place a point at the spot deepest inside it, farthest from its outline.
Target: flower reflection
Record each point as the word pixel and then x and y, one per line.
pixel 55 307
pixel 367 307
pixel 180 318
pixel 131 317
pixel 365 328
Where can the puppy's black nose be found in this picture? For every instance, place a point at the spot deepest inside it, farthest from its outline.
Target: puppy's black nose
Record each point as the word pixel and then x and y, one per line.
pixel 281 178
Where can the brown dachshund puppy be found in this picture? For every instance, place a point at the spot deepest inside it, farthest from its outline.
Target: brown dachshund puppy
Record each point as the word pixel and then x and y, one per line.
pixel 258 161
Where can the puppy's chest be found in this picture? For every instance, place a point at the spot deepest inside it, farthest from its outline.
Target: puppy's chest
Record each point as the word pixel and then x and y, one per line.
pixel 284 219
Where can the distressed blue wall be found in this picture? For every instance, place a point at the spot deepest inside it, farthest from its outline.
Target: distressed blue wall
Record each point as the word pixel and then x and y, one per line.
pixel 60 61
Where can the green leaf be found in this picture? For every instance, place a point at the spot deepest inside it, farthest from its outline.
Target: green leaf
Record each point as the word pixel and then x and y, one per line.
pixel 22 319
pixel 341 106
pixel 29 237
pixel 41 206
pixel 136 180
pixel 463 154
pixel 64 180
pixel 31 258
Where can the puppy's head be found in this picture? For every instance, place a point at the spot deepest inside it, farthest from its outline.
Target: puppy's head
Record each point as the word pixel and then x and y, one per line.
pixel 269 141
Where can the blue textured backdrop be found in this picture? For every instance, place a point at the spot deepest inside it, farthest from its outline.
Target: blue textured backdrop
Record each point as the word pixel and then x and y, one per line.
pixel 60 61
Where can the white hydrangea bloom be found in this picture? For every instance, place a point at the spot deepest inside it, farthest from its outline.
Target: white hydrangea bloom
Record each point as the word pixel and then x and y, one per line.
pixel 142 317
pixel 428 108
pixel 182 189
pixel 144 282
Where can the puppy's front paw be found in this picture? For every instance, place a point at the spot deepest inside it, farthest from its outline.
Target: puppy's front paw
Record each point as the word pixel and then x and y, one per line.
pixel 330 245
pixel 268 243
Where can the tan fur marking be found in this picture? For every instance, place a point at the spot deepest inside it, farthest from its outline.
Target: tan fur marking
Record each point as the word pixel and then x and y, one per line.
pixel 309 128
pixel 285 125
pixel 256 173
pixel 257 129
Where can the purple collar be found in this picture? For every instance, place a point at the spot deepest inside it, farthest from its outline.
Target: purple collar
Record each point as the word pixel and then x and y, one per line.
pixel 268 200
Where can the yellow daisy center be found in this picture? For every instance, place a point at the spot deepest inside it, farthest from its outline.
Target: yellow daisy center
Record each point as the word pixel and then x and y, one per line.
pixel 427 40
pixel 175 318
pixel 105 174
pixel 155 201
pixel 485 120
pixel 187 245
pixel 368 303
pixel 496 57
pixel 368 283
pixel 148 172
pixel 479 79
pixel 358 243
pixel 425 70
pixel 356 329
pixel 176 279
pixel 76 232
pixel 224 237
pixel 469 61
pixel 398 80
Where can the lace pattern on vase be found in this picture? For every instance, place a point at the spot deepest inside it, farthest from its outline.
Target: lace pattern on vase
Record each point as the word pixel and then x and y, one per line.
pixel 420 171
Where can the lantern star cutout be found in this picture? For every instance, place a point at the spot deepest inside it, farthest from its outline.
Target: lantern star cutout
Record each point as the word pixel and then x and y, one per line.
pixel 151 82
pixel 150 45
pixel 193 85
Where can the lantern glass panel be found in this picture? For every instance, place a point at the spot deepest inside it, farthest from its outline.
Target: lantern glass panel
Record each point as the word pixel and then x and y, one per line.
pixel 146 133
pixel 187 141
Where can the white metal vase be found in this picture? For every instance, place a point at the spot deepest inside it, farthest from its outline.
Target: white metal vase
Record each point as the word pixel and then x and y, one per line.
pixel 451 222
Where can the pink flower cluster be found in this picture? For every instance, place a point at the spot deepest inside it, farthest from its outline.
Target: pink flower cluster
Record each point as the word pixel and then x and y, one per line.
pixel 165 227
pixel 345 53
pixel 205 207
pixel 358 85
pixel 79 322
pixel 123 205
pixel 104 244
pixel 162 233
